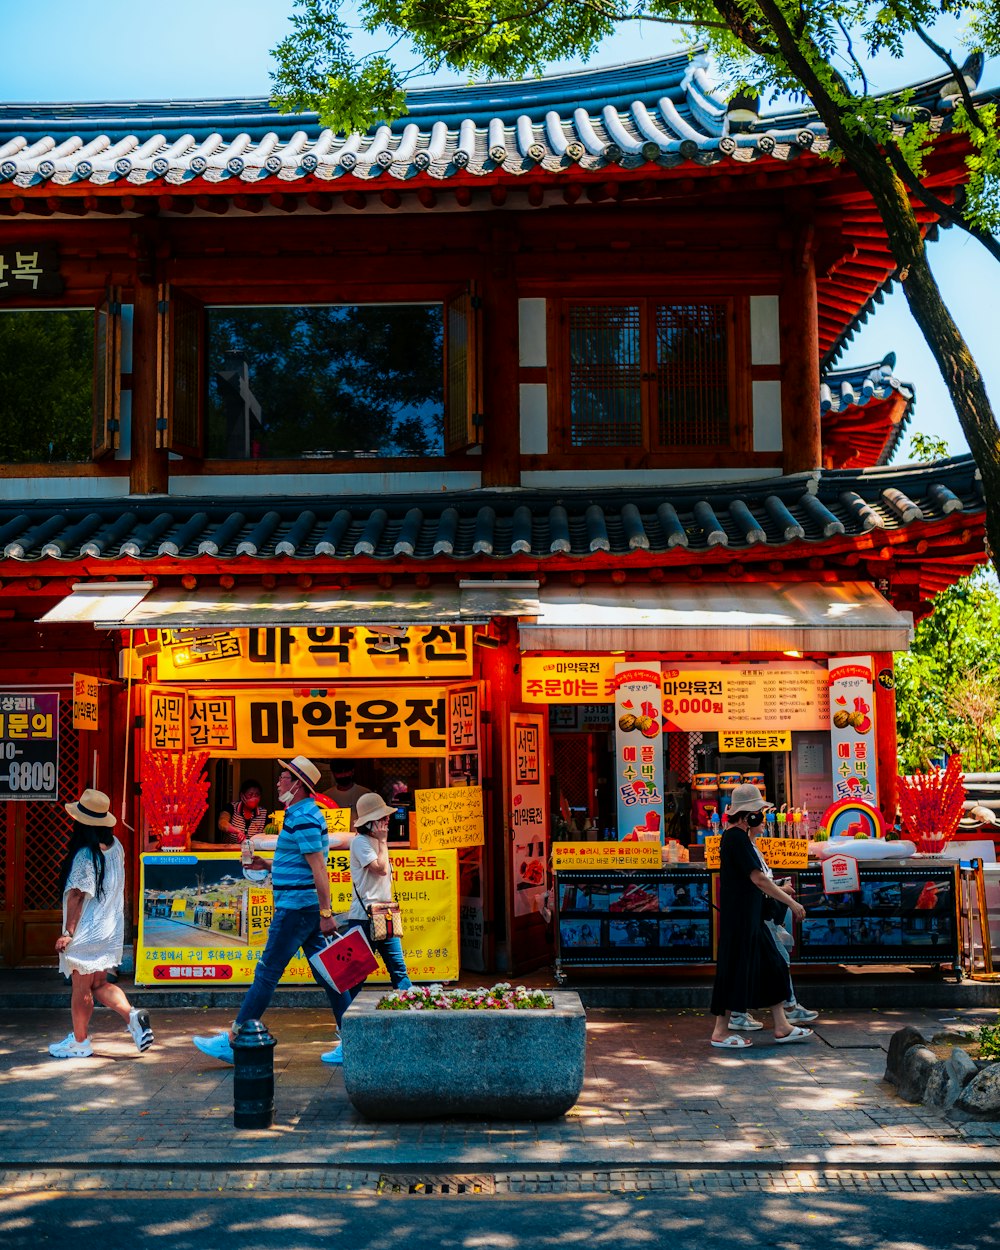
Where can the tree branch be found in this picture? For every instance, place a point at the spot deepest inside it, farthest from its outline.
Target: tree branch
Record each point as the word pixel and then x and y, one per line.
pixel 963 86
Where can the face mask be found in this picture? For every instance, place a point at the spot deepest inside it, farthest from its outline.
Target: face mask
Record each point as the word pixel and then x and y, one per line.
pixel 252 802
pixel 286 796
pixel 754 819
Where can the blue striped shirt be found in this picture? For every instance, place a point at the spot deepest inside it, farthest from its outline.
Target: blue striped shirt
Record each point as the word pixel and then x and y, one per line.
pixel 303 832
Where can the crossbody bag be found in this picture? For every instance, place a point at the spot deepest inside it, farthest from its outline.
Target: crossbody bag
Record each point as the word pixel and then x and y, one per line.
pixel 386 919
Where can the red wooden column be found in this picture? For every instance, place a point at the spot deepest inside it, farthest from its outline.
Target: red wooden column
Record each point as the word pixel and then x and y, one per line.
pixel 148 474
pixel 499 349
pixel 799 328
pixel 885 735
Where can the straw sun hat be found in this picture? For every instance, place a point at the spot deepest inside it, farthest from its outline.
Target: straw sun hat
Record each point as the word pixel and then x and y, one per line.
pixel 93 807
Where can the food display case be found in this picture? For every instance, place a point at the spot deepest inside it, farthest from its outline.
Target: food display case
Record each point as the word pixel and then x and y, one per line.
pixel 905 913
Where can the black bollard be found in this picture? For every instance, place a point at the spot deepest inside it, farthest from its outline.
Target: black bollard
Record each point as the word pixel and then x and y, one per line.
pixel 253 1076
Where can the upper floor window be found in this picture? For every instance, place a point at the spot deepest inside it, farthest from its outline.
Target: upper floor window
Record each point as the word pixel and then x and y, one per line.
pixel 46 385
pixel 341 382
pixel 650 374
pixel 322 382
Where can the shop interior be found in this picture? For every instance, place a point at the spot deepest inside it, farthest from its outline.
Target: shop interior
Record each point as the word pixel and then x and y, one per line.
pixel 698 779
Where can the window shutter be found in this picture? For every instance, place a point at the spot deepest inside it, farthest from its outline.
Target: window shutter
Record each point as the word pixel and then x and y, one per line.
pixel 107 374
pixel 462 390
pixel 179 373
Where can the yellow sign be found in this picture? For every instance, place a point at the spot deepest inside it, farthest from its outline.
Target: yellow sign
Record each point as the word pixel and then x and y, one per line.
pixel 85 701
pixel 568 679
pixel 327 654
pixel 202 922
pixel 784 852
pixel 777 852
pixel 267 722
pixel 450 818
pixel 338 819
pixel 759 697
pixel 735 741
pixel 599 856
pixel 166 719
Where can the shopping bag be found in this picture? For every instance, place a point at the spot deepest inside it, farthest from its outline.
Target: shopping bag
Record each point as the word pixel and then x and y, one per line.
pixel 345 961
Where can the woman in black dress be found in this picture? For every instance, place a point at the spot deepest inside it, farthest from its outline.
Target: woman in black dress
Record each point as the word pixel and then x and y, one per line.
pixel 750 970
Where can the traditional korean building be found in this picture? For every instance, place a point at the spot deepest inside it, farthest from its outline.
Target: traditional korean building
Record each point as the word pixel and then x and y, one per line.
pixel 390 448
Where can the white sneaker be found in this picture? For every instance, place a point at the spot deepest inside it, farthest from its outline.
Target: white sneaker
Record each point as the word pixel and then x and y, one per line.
pixel 798 1013
pixel 138 1026
pixel 743 1020
pixel 70 1048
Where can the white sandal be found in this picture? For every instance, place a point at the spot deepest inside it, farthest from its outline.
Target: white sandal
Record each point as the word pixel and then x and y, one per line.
pixel 733 1043
pixel 797 1035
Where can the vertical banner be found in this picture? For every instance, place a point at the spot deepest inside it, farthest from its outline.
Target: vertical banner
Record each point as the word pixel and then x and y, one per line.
pixel 85 702
pixel 529 812
pixel 852 729
pixel 464 772
pixel 639 750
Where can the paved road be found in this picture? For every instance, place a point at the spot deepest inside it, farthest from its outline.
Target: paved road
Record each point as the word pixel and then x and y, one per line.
pixel 708 1219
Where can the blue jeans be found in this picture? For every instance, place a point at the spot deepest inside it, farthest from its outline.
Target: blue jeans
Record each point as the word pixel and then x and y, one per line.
pixel 391 950
pixel 290 929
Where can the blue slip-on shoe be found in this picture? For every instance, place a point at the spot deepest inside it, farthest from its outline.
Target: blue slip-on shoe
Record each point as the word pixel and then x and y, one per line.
pixel 218 1047
pixel 334 1056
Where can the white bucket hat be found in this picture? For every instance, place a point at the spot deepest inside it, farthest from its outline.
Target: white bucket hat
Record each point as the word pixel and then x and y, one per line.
pixel 747 798
pixel 93 807
pixel 371 807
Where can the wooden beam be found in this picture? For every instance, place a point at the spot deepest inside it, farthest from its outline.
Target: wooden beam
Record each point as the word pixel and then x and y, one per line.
pixel 390 198
pixel 218 204
pixel 148 474
pixel 284 203
pixel 501 387
pixel 800 354
pixel 427 197
pixel 355 199
pixel 250 203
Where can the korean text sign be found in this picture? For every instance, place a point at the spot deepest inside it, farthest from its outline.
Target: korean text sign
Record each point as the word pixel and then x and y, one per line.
pixel 328 653
pixel 85 703
pixel 600 856
pixel 203 923
pixel 29 746
pixel 777 852
pixel 638 750
pixel 852 729
pixel 450 817
pixel 360 721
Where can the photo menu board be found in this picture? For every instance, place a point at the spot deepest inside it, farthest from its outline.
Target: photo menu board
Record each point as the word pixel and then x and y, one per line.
pixel 900 916
pixel 662 917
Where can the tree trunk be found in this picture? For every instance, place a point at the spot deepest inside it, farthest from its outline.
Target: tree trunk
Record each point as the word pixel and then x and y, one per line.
pixel 948 347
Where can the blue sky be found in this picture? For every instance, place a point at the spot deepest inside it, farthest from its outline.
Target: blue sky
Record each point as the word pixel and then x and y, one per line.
pixel 144 49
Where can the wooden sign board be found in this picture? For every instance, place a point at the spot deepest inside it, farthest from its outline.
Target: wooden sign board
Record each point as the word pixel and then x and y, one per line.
pixel 450 818
pixel 600 856
pixel 777 852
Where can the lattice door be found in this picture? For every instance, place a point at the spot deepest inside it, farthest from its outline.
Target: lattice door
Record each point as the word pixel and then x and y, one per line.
pixel 33 838
pixel 571 765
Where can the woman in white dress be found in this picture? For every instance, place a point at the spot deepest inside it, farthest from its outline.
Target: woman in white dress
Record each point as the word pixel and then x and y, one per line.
pixel 92 879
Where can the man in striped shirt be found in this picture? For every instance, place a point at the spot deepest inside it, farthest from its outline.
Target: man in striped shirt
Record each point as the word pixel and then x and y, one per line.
pixel 302 913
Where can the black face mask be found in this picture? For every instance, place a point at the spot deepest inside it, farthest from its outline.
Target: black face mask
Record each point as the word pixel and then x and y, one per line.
pixel 753 819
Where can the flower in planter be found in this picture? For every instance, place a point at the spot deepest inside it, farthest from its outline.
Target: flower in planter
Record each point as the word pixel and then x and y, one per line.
pixel 500 997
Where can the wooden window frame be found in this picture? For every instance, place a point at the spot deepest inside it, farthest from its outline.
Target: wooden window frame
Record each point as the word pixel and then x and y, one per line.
pixel 105 401
pixel 648 454
pixel 462 455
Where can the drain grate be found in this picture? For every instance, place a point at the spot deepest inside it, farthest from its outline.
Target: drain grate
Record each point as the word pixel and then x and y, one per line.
pixel 396 1183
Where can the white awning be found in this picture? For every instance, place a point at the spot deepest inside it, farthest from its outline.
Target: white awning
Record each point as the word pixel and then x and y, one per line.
pixel 752 616
pixel 106 605
pixel 98 603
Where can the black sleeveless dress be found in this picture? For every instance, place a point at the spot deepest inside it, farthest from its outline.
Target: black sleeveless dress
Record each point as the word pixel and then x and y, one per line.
pixel 750 972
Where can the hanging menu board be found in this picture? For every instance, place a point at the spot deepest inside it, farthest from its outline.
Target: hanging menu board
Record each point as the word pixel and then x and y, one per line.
pixel 736 698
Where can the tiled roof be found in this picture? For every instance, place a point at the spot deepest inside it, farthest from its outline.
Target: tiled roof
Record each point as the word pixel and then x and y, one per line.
pixel 664 111
pixel 846 393
pixel 493 525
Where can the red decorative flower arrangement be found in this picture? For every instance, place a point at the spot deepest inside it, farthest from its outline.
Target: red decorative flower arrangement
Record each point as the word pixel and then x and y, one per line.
pixel 931 805
pixel 174 795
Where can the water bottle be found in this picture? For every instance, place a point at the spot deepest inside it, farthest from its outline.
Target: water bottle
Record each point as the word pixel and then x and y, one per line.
pixel 716 824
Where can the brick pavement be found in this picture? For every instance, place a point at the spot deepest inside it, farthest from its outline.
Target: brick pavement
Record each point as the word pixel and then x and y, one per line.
pixel 656 1098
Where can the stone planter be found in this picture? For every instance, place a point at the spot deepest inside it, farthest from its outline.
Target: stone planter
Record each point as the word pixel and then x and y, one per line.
pixel 499 1065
